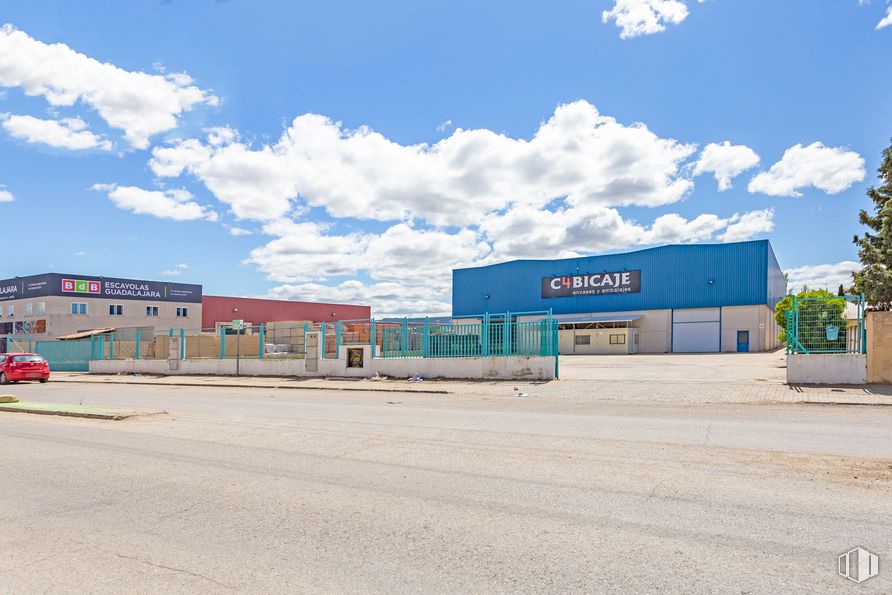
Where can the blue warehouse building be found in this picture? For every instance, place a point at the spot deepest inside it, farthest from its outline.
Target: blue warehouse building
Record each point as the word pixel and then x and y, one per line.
pixel 681 298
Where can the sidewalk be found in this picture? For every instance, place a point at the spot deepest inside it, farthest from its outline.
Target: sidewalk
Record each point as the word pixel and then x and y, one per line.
pixel 594 390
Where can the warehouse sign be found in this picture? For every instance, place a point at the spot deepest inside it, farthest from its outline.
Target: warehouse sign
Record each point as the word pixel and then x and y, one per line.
pixel 98 287
pixel 591 284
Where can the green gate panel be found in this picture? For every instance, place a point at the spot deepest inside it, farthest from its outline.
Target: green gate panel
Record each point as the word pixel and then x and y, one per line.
pixel 66 356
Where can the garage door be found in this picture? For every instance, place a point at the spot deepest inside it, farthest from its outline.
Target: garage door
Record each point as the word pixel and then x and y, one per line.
pixel 696 331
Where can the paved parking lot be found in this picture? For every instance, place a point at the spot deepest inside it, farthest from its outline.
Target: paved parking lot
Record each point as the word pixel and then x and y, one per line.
pixel 677 367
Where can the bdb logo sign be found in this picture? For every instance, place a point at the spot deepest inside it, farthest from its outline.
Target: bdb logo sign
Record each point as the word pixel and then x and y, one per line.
pixel 78 286
pixel 858 565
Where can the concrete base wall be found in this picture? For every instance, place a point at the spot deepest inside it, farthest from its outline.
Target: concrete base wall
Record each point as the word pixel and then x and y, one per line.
pixel 505 368
pixel 879 347
pixel 827 368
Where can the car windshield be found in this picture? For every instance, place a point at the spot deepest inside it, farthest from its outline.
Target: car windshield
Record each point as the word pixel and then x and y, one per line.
pixel 28 358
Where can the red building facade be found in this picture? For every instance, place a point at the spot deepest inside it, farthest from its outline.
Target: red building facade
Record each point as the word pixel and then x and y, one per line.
pixel 216 309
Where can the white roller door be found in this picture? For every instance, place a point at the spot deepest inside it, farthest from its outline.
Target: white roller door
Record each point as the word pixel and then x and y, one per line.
pixel 696 331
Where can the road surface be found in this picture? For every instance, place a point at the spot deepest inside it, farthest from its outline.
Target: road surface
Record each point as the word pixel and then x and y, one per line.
pixel 240 490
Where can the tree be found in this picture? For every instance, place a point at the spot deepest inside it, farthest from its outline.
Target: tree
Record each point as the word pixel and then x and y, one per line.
pixel 841 291
pixel 874 279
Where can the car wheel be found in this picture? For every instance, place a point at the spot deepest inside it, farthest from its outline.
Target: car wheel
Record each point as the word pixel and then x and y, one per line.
pixel 3 378
pixel 43 380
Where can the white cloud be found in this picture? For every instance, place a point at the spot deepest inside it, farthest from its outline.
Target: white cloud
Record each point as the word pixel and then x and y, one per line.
pixel 886 21
pixel 725 161
pixel 169 204
pixel 239 231
pixel 67 133
pixel 822 276
pixel 748 225
pixel 6 195
pixel 182 266
pixel 578 153
pixel 172 273
pixel 444 126
pixel 386 298
pixel 645 17
pixel 80 253
pixel 138 103
pixel 825 168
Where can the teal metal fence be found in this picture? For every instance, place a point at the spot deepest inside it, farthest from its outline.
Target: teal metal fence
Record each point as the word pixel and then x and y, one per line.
pixel 832 324
pixel 62 356
pixel 488 335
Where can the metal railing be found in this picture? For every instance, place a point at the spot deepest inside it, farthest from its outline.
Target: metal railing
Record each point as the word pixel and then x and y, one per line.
pixel 831 324
pixel 486 336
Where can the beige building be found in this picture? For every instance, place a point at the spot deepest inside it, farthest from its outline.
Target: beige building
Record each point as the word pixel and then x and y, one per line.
pixel 54 305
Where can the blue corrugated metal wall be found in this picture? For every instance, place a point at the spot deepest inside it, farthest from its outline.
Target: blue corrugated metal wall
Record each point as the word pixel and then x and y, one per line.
pixel 677 276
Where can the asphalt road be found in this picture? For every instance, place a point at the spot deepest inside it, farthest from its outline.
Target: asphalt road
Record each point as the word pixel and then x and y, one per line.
pixel 283 491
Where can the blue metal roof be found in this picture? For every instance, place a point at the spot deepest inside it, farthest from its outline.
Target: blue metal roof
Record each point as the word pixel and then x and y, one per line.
pixel 675 276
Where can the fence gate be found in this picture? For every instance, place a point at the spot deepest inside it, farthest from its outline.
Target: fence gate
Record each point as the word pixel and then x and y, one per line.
pixel 832 324
pixel 65 356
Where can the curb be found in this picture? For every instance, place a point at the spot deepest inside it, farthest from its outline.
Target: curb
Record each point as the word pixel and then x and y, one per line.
pixel 232 385
pixel 105 416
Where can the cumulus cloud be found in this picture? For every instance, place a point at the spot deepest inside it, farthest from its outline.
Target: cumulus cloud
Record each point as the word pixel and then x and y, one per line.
pixel 886 21
pixel 635 18
pixel 825 168
pixel 387 298
pixel 139 104
pixel 578 154
pixel 168 204
pixel 6 195
pixel 822 276
pixel 745 226
pixel 67 133
pixel 725 161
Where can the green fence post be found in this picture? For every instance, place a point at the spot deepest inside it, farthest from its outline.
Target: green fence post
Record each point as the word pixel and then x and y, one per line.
pixel 506 334
pixel 306 330
pixel 404 337
pixel 182 343
pixel 222 342
pixel 111 346
pixel 338 339
pixel 322 332
pixel 137 354
pixel 426 339
pixel 373 336
pixel 7 344
pixel 170 333
pixel 262 342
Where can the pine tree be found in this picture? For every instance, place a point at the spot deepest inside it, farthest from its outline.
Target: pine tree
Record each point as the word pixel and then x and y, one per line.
pixel 841 290
pixel 874 279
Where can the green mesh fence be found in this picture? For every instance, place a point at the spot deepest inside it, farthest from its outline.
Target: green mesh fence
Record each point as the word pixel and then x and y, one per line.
pixel 833 324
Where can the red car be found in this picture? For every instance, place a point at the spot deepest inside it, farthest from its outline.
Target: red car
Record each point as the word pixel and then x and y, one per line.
pixel 23 366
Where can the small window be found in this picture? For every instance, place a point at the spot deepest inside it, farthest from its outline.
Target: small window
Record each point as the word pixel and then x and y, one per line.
pixel 115 310
pixel 583 339
pixel 41 307
pixel 182 312
pixel 617 339
pixel 78 308
pixel 11 311
pixel 151 310
pixel 29 309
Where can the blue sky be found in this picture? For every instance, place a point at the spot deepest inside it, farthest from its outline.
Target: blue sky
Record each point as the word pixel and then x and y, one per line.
pixel 362 150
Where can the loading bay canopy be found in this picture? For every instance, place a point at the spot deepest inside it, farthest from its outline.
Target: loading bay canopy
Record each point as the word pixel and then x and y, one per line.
pixel 594 322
